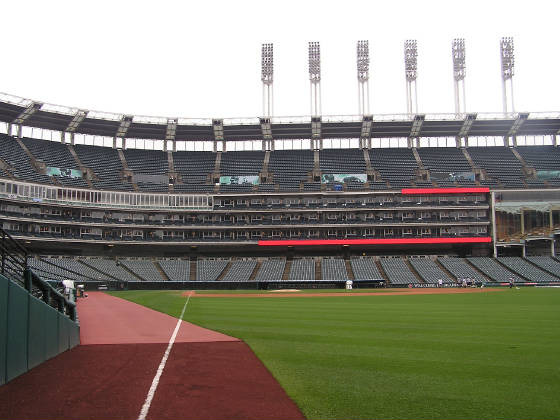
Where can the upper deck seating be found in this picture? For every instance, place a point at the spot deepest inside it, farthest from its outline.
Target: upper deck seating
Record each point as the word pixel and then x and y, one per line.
pixel 106 164
pixel 13 155
pixel 194 169
pixel 290 167
pixel 500 164
pixel 396 165
pixel 241 163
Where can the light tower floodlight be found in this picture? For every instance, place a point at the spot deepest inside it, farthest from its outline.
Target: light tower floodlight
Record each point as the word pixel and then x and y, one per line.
pixel 362 63
pixel 315 77
pixel 508 57
pixel 267 63
pixel 411 73
pixel 362 54
pixel 459 72
pixel 314 61
pixel 267 78
pixel 508 63
pixel 411 59
pixel 459 63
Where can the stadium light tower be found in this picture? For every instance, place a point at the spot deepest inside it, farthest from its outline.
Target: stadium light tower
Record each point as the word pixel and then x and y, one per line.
pixel 459 73
pixel 267 78
pixel 315 77
pixel 411 73
pixel 508 63
pixel 362 61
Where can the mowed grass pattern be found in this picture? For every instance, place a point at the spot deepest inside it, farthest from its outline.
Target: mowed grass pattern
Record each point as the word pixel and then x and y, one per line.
pixel 493 355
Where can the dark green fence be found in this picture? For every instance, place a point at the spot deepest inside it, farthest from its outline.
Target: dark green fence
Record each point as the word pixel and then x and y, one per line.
pixel 36 322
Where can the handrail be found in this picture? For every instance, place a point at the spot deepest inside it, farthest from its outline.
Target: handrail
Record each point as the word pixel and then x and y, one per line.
pixel 49 295
pixel 13 258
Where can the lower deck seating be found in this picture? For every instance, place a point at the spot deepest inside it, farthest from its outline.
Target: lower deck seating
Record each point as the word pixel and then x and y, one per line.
pixel 176 270
pixel 461 269
pixel 145 269
pixel 397 271
pixel 334 269
pixel 240 270
pixel 429 270
pixel 271 270
pixel 527 270
pixel 111 267
pixel 210 270
pixel 494 270
pixel 303 269
pixel 365 269
pixel 546 263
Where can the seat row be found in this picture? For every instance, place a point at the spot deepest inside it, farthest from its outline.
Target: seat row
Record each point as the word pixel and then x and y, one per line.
pixel 394 270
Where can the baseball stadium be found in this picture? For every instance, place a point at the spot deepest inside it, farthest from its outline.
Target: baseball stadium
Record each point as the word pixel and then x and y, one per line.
pixel 367 266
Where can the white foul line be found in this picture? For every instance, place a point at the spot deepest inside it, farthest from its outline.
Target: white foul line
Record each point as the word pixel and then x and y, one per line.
pixel 155 381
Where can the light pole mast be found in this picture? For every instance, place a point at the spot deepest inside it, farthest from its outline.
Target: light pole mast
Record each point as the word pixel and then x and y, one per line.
pixel 508 63
pixel 411 73
pixel 459 73
pixel 267 78
pixel 315 78
pixel 362 62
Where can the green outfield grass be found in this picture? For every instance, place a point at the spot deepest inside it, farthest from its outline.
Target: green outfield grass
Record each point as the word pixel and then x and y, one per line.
pixel 493 355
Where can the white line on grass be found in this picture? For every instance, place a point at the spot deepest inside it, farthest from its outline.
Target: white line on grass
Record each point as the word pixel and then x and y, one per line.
pixel 155 381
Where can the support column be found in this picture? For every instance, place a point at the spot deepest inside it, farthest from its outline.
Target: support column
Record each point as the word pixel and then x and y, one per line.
pixel 493 214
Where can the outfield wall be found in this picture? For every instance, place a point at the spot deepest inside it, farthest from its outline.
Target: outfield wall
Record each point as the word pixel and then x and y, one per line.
pixel 229 285
pixel 31 331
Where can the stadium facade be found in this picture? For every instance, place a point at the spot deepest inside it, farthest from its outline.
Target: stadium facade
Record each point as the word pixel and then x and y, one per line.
pixel 63 195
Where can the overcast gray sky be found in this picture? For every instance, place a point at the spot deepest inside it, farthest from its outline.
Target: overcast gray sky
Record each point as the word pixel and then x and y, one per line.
pixel 202 59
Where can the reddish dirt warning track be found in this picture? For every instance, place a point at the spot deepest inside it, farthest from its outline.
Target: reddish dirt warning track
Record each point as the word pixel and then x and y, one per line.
pixel 105 319
pixel 207 376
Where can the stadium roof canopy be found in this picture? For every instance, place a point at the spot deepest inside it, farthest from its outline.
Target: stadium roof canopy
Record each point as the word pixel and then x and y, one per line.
pixel 15 110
